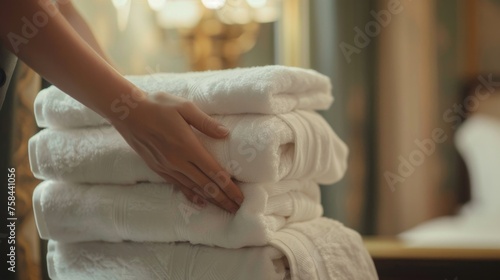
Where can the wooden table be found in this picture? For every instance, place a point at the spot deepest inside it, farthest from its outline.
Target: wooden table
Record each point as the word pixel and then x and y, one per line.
pixel 395 260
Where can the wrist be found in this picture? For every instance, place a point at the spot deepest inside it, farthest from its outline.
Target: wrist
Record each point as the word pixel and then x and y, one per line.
pixel 122 107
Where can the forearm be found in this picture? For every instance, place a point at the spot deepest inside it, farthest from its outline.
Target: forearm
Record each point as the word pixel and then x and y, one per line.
pixel 81 27
pixel 60 55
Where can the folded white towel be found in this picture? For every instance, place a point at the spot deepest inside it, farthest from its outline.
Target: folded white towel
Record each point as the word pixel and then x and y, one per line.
pixel 260 148
pixel 267 90
pixel 321 249
pixel 161 261
pixel 160 213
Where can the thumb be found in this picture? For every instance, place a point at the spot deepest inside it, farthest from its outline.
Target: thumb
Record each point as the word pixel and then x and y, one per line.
pixel 204 123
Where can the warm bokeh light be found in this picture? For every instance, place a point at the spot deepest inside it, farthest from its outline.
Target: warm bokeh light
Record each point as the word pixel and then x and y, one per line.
pixel 257 3
pixel 120 3
pixel 268 13
pixel 179 14
pixel 213 4
pixel 156 4
pixel 235 14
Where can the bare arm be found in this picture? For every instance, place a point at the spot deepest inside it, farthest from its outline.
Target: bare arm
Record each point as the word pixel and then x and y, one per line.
pixel 78 23
pixel 40 36
pixel 158 130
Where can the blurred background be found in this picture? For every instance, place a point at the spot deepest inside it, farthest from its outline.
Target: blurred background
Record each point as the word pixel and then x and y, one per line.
pixel 397 69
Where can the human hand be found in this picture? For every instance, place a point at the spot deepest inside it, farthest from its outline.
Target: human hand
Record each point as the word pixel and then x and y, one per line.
pixel 160 131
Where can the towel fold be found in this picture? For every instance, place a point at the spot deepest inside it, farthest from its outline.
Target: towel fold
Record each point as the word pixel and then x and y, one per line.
pixel 267 90
pixel 260 148
pixel 161 261
pixel 324 249
pixel 321 249
pixel 160 213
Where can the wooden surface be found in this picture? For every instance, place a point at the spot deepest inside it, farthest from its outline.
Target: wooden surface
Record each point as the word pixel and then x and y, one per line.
pixel 396 261
pixel 387 247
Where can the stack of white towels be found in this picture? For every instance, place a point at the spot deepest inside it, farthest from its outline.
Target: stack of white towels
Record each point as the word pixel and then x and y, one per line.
pixel 108 216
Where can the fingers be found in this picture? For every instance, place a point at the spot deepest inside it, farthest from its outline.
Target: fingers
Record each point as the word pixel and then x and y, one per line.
pixel 203 163
pixel 211 189
pixel 191 195
pixel 215 181
pixel 203 122
pixel 192 186
pixel 217 174
pixel 190 178
pixel 192 191
pixel 182 157
pixel 185 181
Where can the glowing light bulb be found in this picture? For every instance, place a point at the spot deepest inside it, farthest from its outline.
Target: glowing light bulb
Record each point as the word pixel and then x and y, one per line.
pixel 213 4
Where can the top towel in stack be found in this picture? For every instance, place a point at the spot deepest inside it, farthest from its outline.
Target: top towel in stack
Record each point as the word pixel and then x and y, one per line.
pixel 270 90
pixel 274 136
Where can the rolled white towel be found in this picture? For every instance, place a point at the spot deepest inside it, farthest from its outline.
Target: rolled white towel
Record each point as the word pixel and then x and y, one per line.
pixel 161 261
pixel 321 249
pixel 270 89
pixel 160 213
pixel 260 148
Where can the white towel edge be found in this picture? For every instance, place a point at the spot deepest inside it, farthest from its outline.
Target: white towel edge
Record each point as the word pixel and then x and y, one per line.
pixel 41 225
pixel 34 166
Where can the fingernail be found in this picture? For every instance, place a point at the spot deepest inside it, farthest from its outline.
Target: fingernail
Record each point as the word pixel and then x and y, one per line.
pixel 239 200
pixel 222 130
